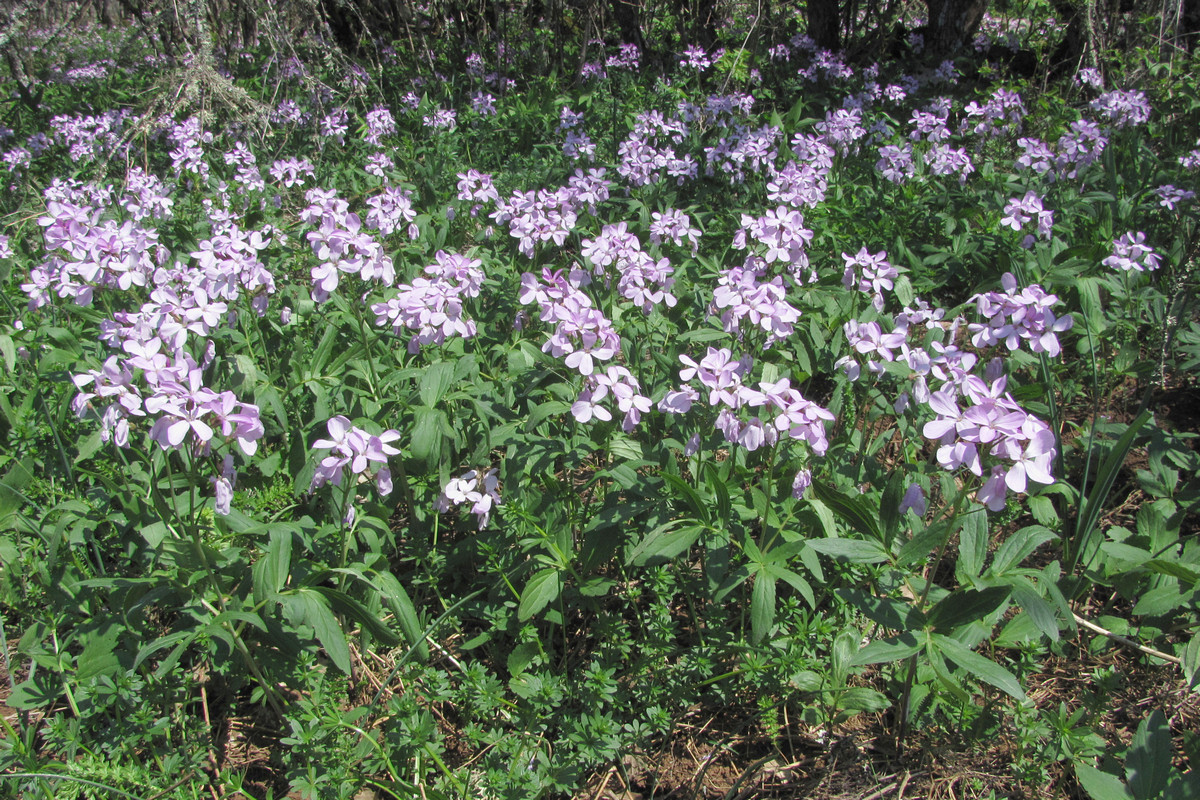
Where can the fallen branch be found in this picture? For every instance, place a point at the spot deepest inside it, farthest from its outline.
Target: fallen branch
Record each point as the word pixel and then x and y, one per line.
pixel 1116 637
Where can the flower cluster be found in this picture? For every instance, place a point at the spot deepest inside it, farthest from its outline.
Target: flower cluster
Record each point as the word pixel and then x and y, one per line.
pixel 582 334
pixel 946 160
pixel 842 128
pixel 189 138
pixel 1123 109
pixel 648 153
pixel 1012 316
pixel 742 294
pixel 786 411
pixel 353 447
pixel 341 245
pixel 380 123
pixel 1130 252
pixel 1170 196
pixel 433 307
pixel 782 235
pixel 392 209
pixel 870 273
pixel 896 163
pixel 797 184
pixel 619 383
pixel 674 225
pixel 1019 211
pixel 743 150
pixel 482 492
pixel 991 424
pixel 1003 113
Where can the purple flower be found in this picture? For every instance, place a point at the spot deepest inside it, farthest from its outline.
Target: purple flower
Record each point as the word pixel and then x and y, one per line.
pixel 482 492
pixel 1012 316
pixel 896 163
pixel 357 449
pixel 1169 196
pixel 1130 252
pixel 801 483
pixel 1123 109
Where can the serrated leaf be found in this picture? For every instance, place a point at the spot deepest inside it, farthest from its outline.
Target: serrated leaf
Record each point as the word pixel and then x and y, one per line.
pixel 851 509
pixel 1148 760
pixel 964 606
pixel 541 590
pixel 855 551
pixel 310 608
pixel 1100 785
pixel 762 607
pixel 665 542
pixel 436 380
pixel 979 666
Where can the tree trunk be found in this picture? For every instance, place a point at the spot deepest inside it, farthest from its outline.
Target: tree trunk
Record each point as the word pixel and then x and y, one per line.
pixel 823 23
pixel 952 24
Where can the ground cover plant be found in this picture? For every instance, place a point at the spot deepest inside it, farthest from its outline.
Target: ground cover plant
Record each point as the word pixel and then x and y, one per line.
pixel 714 415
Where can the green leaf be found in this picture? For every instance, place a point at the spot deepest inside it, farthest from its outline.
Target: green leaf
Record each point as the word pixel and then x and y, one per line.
pixel 1105 477
pixel 1100 785
pixel 539 413
pixel 762 607
pixel 324 349
pixel 12 488
pixel 427 435
pixel 796 582
pixel 964 606
pixel 543 589
pixel 1016 548
pixel 973 542
pixel 351 608
pixel 435 381
pixel 860 699
pixel 880 651
pixel 855 551
pixel 1040 612
pixel 889 506
pixel 850 509
pixel 1148 760
pixel 982 668
pixel 88 447
pixel 272 568
pixel 406 613
pixel 665 542
pixel 1191 662
pixel 690 496
pixel 310 608
pixel 99 654
pixel 891 614
pixel 8 352
pixel 1188 575
pixel 924 543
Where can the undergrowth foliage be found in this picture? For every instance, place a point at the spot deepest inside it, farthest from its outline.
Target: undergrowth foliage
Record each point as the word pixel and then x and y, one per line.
pixel 472 429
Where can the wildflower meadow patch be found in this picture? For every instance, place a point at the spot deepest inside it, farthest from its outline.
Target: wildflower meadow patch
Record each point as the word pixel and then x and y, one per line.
pixel 464 428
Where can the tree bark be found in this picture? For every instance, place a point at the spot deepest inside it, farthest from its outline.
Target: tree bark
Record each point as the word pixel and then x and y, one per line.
pixel 823 23
pixel 952 24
